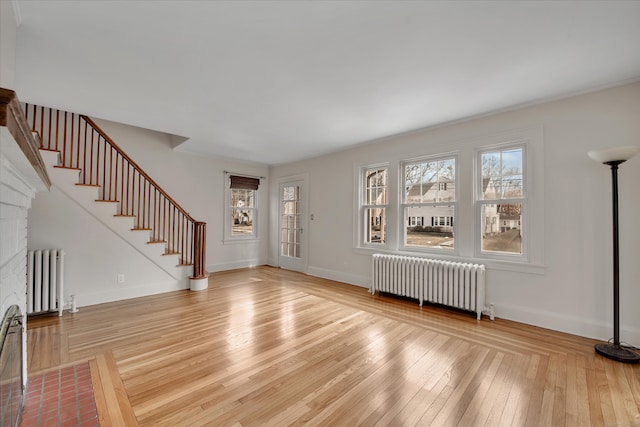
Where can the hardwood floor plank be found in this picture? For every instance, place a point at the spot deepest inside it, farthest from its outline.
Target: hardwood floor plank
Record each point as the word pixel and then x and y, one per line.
pixel 265 346
pixel 515 394
pixel 115 395
pixel 537 378
pixel 596 418
pixel 101 403
pixel 560 405
pixel 473 408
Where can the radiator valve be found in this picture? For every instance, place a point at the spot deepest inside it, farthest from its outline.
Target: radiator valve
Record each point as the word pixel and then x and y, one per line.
pixel 74 307
pixel 489 311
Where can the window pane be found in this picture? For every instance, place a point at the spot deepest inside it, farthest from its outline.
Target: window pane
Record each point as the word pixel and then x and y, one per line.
pixel 501 228
pixel 430 181
pixel 241 222
pixel 375 225
pixel 242 212
pixel 376 186
pixel 430 226
pixel 242 198
pixel 502 174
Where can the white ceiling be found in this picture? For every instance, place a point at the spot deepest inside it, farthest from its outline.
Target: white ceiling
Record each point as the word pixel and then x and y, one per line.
pixel 274 82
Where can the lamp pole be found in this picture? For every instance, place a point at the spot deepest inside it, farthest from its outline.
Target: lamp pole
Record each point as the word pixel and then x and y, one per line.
pixel 616 251
pixel 613 158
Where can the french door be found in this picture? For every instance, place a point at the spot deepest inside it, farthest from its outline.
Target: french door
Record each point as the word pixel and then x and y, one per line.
pixel 292 222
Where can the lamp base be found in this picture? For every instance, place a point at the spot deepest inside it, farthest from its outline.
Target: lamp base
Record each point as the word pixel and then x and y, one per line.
pixel 617 353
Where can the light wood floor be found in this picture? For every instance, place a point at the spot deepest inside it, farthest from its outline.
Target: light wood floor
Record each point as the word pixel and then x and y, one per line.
pixel 265 346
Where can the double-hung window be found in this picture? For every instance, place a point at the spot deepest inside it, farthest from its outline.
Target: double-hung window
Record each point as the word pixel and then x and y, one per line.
pixel 501 201
pixel 241 214
pixel 429 203
pixel 374 205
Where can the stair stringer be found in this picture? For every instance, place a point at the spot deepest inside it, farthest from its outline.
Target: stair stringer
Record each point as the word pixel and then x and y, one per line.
pixel 66 181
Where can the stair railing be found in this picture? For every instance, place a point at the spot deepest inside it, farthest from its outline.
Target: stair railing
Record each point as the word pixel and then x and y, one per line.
pixel 84 146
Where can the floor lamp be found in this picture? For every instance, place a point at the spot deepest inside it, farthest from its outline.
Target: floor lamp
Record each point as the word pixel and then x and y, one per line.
pixel 614 157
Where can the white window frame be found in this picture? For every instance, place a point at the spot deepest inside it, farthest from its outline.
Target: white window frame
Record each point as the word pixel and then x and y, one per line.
pixel 229 237
pixel 467 213
pixel 480 201
pixel 403 205
pixel 363 207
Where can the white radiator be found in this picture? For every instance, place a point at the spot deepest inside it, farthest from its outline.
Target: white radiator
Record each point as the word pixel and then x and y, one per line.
pixel 455 284
pixel 45 281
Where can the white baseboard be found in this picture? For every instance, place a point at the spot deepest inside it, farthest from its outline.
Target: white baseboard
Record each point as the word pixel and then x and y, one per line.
pixel 544 319
pixel 120 294
pixel 339 276
pixel 212 268
pixel 564 323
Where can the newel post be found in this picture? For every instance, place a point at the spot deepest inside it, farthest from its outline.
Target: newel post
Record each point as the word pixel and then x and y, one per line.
pixel 200 278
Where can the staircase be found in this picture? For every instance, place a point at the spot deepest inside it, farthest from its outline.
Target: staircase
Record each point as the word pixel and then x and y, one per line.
pixel 88 167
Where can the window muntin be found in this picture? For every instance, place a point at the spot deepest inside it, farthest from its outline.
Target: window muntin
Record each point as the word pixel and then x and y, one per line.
pixel 502 201
pixel 429 203
pixel 374 205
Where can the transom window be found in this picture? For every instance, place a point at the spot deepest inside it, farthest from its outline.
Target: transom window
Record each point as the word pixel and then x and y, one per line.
pixel 429 203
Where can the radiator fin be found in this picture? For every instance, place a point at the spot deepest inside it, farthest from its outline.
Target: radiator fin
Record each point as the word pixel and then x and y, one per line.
pixel 45 281
pixel 455 284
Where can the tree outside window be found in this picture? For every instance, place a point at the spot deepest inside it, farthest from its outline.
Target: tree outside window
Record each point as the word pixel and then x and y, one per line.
pixel 374 205
pixel 242 212
pixel 502 200
pixel 430 194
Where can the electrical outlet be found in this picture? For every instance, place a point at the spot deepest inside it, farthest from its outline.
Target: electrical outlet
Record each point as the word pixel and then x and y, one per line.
pixel 120 278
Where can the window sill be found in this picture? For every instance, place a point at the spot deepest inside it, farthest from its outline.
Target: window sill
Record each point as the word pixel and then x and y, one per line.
pixel 240 241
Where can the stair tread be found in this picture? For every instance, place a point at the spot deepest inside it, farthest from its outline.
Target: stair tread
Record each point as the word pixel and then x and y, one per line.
pixel 58 157
pixel 67 167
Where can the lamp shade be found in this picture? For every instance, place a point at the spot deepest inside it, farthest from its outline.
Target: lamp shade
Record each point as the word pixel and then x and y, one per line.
pixel 614 153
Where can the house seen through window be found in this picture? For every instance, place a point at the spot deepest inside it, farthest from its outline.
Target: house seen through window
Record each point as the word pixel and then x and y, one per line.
pixel 474 202
pixel 502 200
pixel 429 203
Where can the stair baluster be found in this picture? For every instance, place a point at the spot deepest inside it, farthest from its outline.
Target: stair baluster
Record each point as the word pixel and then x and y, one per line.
pixel 85 146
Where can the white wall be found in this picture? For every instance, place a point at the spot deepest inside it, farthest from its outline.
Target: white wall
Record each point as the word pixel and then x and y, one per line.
pixel 16 193
pixel 95 256
pixel 8 31
pixel 197 184
pixel 572 290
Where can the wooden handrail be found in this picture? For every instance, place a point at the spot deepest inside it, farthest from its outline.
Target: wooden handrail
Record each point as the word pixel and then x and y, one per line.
pixel 135 165
pixel 85 147
pixel 12 116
